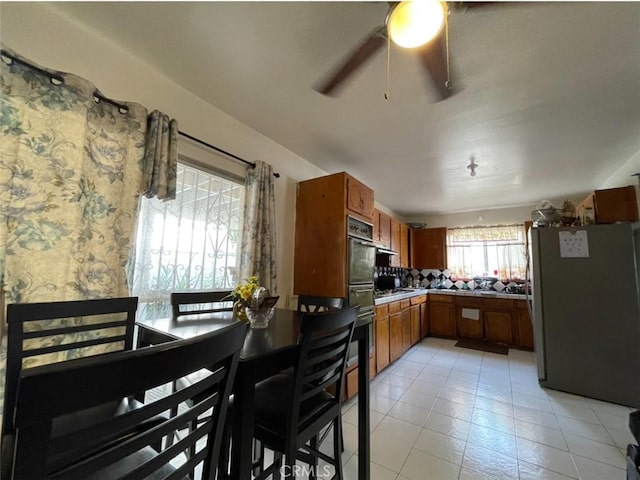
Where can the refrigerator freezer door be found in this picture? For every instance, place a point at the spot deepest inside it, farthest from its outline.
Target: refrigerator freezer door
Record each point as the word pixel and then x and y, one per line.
pixel 590 314
pixel 536 303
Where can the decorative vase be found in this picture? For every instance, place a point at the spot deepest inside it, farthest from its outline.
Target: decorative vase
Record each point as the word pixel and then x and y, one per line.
pixel 240 310
pixel 259 318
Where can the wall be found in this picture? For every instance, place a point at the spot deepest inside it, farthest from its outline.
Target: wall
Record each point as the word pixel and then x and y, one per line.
pixel 497 216
pixel 40 33
pixel 623 176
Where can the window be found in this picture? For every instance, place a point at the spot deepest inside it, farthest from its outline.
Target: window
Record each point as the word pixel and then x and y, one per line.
pixel 190 243
pixel 487 252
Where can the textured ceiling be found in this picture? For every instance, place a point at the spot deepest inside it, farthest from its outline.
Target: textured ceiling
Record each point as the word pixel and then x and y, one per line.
pixel 548 102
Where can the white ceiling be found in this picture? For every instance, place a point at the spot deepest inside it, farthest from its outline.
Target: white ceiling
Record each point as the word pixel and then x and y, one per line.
pixel 549 101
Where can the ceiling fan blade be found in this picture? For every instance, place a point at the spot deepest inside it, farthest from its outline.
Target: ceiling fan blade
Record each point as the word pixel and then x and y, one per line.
pixel 363 52
pixel 434 61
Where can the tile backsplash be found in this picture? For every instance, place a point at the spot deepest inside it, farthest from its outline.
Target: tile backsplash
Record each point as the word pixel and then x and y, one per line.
pixel 433 278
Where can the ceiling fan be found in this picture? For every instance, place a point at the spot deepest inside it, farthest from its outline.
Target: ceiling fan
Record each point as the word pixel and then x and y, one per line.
pixel 424 18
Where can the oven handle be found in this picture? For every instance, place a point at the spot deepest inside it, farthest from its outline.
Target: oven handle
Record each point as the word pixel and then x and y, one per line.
pixel 363 242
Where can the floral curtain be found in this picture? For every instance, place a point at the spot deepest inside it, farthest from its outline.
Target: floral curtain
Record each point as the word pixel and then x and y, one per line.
pixel 258 251
pixel 161 157
pixel 71 167
pixel 497 251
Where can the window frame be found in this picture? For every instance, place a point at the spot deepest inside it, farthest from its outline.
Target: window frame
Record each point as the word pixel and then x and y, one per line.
pixel 158 305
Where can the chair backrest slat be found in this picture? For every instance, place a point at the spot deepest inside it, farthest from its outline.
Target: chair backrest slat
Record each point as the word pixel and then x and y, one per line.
pixel 322 356
pixel 48 392
pixel 185 303
pixel 49 332
pixel 315 304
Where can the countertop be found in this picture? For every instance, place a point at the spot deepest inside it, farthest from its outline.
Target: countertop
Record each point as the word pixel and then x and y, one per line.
pixel 408 293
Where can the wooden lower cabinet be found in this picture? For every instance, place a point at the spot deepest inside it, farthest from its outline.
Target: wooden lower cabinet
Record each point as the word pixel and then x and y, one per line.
pixel 467 326
pixel 424 319
pixel 382 336
pixel 351 380
pixel 523 328
pixel 419 318
pixel 395 331
pixel 497 327
pixel 441 316
pixel 406 324
pixel 415 324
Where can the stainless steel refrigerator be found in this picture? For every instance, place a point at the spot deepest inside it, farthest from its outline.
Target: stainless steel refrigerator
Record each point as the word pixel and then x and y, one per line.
pixel 586 310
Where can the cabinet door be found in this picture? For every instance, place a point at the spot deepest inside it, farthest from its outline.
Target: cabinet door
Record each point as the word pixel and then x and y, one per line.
pixel 468 327
pixel 385 229
pixel 524 332
pixel 616 205
pixel 415 324
pixel 359 198
pixel 441 319
pixel 497 327
pixel 406 329
pixel 429 248
pixel 382 341
pixel 404 246
pixel 376 225
pixel 424 319
pixel 395 242
pixel 395 335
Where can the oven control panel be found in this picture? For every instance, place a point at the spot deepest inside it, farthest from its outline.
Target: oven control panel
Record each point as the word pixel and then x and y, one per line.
pixel 359 229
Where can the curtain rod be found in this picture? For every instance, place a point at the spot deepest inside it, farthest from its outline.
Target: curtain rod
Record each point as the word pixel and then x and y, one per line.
pixel 58 79
pixel 213 147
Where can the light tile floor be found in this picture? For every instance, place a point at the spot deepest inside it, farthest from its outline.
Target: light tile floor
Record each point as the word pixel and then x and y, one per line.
pixel 442 412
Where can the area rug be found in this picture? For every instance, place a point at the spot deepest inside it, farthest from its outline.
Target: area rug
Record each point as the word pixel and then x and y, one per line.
pixel 482 346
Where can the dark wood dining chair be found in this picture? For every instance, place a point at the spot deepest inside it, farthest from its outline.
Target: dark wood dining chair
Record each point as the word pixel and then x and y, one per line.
pixel 315 304
pixel 292 407
pixel 116 449
pixel 185 303
pixel 50 332
pixel 189 303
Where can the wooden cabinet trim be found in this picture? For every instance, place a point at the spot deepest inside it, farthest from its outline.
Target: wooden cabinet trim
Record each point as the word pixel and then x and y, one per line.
pixel 418 300
pixel 501 303
pixel 394 307
pixel 441 298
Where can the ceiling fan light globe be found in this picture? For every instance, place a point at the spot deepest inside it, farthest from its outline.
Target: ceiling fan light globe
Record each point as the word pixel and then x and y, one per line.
pixel 414 23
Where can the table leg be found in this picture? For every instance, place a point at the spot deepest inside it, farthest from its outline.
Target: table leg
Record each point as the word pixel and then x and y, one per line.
pixel 243 422
pixel 364 448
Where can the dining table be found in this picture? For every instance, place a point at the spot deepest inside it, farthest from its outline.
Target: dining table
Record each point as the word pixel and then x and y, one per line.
pixel 266 351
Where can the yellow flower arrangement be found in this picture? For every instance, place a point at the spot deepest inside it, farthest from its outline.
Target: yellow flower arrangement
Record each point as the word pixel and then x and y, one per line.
pixel 244 291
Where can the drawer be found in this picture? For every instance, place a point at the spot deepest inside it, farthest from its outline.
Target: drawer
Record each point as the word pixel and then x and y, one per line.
pixel 394 307
pixel 382 310
pixel 418 300
pixel 502 303
pixel 521 304
pixel 405 304
pixel 468 301
pixel 440 298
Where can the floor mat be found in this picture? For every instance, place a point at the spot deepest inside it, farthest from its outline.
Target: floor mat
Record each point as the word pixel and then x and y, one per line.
pixel 482 346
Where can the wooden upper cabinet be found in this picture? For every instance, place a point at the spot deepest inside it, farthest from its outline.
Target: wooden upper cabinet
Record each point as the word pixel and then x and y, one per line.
pixel 376 225
pixel 404 246
pixel 609 206
pixel 385 222
pixel 616 205
pixel 429 248
pixel 360 198
pixel 395 235
pixel 395 243
pixel 320 255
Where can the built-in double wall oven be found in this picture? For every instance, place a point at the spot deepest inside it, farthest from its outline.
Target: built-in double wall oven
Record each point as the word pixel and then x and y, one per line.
pixel 361 268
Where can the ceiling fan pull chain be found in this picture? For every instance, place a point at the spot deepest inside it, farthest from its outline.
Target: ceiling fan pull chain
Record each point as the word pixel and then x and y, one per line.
pixel 446 33
pixel 386 86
